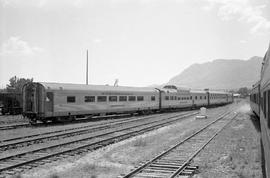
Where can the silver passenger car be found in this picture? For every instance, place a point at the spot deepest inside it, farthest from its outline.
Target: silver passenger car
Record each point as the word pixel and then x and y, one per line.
pixel 52 101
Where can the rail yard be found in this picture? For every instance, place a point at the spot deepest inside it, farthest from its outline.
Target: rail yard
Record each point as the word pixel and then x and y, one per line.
pixel 166 144
pixel 76 130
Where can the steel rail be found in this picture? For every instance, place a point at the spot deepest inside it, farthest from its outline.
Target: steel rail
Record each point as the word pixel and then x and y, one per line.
pixel 86 119
pixel 95 144
pixel 70 132
pixel 164 153
pixel 178 171
pixel 13 126
pixel 69 129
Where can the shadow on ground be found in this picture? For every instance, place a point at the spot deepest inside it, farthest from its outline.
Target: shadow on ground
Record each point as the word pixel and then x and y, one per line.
pixel 256 121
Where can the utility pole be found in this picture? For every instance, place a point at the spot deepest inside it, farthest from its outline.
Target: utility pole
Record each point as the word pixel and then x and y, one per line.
pixel 116 83
pixel 87 67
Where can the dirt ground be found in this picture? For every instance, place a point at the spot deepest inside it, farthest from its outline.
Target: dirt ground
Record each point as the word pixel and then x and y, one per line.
pixel 234 153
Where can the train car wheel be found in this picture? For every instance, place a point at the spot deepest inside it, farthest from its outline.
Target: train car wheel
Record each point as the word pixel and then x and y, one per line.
pixel 44 121
pixel 71 118
pixel 33 121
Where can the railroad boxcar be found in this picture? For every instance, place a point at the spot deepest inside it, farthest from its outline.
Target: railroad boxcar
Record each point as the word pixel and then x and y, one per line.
pixel 11 103
pixel 55 101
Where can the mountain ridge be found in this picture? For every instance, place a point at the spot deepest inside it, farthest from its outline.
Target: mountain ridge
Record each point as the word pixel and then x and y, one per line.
pixel 220 74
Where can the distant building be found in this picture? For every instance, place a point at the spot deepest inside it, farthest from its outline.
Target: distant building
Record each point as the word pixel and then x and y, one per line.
pixel 236 95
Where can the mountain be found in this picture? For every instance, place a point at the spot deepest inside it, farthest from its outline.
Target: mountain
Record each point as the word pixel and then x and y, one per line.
pixel 220 74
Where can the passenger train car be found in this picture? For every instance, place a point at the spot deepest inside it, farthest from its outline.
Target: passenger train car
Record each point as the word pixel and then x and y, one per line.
pixel 260 104
pixel 255 98
pixel 57 101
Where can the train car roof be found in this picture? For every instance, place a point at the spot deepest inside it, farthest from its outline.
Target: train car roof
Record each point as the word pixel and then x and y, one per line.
pixel 198 92
pixel 175 89
pixel 211 92
pixel 83 87
pixel 218 92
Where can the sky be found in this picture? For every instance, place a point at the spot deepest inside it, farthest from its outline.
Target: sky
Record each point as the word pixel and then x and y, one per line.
pixel 138 42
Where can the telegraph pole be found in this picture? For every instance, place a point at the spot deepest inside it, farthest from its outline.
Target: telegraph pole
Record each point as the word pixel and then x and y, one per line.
pixel 87 67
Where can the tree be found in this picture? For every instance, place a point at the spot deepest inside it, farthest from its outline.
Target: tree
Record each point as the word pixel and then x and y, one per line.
pixel 16 84
pixel 244 91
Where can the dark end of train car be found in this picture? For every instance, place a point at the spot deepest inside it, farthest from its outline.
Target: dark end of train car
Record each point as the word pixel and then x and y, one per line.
pixel 33 105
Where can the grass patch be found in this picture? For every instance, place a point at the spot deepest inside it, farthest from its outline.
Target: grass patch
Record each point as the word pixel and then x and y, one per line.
pixel 140 142
pixel 90 168
pixel 54 175
pixel 16 176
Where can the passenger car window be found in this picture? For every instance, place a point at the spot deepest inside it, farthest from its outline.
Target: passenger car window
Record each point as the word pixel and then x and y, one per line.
pixel 112 98
pixel 264 104
pixel 89 99
pixel 71 99
pixel 131 98
pixel 140 98
pixel 102 98
pixel 268 109
pixel 153 98
pixel 122 98
pixel 49 97
pixel 166 97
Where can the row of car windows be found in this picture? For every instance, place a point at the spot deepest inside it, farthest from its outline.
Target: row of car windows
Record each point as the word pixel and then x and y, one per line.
pixel 72 99
pixel 184 98
pixel 265 104
pixel 254 98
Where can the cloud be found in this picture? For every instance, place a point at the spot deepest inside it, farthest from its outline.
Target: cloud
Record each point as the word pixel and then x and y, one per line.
pixel 243 11
pixel 43 3
pixel 243 41
pixel 14 46
pixel 97 40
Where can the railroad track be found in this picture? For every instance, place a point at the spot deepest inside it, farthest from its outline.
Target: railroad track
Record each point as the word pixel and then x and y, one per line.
pixel 175 161
pixel 13 126
pixel 22 141
pixel 83 120
pixel 87 119
pixel 15 163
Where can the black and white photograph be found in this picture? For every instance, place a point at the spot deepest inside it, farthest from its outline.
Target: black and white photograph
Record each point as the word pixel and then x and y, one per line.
pixel 134 89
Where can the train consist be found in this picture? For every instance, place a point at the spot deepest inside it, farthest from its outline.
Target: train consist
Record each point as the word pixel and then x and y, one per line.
pixel 59 102
pixel 260 104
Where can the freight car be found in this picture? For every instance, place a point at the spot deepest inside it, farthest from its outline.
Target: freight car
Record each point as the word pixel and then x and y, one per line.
pixel 11 103
pixel 58 102
pixel 260 104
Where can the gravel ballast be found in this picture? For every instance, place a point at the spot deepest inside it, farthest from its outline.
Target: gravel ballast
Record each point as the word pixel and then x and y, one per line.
pixel 235 152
